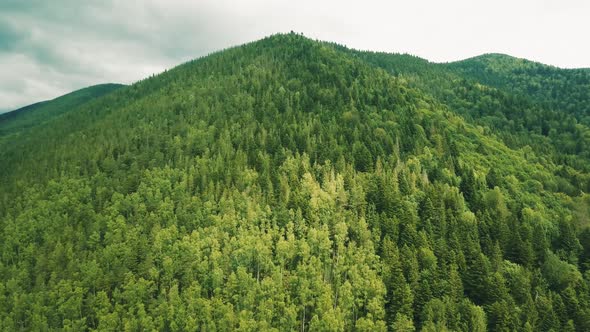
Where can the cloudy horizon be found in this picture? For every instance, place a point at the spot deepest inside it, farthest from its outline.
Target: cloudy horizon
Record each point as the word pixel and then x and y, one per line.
pixel 48 49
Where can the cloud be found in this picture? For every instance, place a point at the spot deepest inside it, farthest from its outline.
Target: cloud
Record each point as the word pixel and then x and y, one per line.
pixel 49 48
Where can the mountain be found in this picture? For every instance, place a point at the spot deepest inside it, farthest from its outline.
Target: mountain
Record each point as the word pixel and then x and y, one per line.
pixel 553 126
pixel 290 184
pixel 35 114
pixel 557 111
pixel 564 89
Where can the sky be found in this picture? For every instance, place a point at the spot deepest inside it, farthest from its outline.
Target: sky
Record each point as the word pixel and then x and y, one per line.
pixel 49 48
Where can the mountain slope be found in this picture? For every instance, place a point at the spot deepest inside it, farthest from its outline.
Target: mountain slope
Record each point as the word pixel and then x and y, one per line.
pixel 564 89
pixel 519 119
pixel 35 114
pixel 283 185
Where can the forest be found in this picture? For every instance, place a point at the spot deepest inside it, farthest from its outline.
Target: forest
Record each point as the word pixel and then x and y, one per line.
pixel 290 184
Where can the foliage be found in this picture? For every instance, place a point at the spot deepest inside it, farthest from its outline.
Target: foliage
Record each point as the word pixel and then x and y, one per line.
pixel 288 184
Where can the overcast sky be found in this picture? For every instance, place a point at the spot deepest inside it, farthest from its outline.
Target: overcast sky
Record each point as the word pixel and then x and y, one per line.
pixel 48 48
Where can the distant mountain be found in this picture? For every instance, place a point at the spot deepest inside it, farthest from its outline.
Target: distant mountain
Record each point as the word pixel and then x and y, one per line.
pixel 551 120
pixel 290 184
pixel 564 89
pixel 41 112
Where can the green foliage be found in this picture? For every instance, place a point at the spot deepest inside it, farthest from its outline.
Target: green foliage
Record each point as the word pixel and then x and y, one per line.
pixel 289 184
pixel 19 120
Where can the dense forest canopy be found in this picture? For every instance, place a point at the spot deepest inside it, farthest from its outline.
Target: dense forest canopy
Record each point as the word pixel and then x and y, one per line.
pixel 35 114
pixel 290 184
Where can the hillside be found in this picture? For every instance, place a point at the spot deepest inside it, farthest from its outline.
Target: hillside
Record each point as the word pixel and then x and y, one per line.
pixel 289 184
pixel 564 89
pixel 33 115
pixel 554 130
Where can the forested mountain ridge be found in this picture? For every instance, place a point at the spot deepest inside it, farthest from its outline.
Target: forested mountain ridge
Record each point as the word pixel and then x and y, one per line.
pixel 556 103
pixel 564 89
pixel 286 184
pixel 556 130
pixel 33 115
